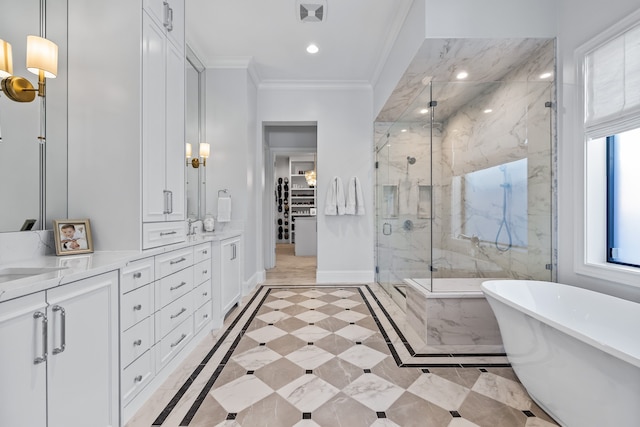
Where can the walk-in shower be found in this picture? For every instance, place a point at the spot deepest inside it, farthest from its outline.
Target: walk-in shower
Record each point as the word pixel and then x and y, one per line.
pixel 476 202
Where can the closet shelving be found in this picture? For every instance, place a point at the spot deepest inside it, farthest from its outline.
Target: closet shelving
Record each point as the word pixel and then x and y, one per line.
pixel 302 202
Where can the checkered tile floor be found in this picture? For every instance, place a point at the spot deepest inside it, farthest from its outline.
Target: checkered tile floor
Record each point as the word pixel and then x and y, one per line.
pixel 327 356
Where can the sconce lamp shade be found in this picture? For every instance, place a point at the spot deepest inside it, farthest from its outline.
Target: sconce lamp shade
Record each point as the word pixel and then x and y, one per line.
pixel 205 149
pixel 188 151
pixel 42 55
pixel 6 60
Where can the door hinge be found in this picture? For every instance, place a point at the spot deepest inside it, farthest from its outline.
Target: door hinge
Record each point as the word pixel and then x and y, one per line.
pixel 377 270
pixel 548 266
pixel 376 165
pixel 433 103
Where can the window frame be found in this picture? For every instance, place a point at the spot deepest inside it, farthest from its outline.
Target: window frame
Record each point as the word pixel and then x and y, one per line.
pixel 591 229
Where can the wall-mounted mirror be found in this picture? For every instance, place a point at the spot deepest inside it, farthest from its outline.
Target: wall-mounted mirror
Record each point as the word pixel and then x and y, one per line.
pixel 33 176
pixel 195 134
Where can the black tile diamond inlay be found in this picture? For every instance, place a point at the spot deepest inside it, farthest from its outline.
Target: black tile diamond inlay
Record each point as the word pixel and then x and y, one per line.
pixel 358 342
pixel 529 414
pixel 483 370
pixel 232 416
pixel 306 415
pixel 251 372
pixel 352 323
pixel 426 371
pixel 367 371
pixel 381 415
pixel 455 414
pixel 270 324
pixel 311 324
pixel 263 343
pixel 308 371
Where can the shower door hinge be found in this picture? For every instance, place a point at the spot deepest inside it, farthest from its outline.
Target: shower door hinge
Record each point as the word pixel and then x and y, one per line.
pixel 376 165
pixel 433 103
pixel 548 104
pixel 548 266
pixel 377 270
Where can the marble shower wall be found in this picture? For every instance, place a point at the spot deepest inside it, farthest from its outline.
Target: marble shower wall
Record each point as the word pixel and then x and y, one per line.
pixel 467 140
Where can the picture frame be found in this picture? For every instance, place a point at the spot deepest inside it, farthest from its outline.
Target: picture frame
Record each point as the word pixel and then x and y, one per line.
pixel 72 236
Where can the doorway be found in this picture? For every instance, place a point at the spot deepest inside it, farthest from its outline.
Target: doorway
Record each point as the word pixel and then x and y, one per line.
pixel 290 252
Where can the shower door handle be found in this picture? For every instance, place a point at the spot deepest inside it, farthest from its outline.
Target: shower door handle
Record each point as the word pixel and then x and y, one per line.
pixel 386 229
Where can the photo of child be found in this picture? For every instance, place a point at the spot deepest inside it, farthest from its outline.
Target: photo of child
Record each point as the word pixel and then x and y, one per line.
pixel 72 236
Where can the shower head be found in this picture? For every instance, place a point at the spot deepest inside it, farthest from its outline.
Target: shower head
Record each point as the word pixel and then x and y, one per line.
pixel 411 160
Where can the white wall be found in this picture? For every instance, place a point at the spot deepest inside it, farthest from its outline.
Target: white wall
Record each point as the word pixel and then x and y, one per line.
pixel 233 165
pixel 579 21
pixel 345 135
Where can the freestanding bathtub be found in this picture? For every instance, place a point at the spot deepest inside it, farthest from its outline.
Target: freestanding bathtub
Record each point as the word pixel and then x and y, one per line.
pixel 577 352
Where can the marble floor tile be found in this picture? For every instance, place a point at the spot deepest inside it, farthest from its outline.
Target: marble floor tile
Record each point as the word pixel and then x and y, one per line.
pixel 439 391
pixel 355 333
pixel 363 356
pixel 241 393
pixel 311 333
pixel 308 392
pixel 266 334
pixel 309 357
pixel 311 316
pixel 256 358
pixel 374 392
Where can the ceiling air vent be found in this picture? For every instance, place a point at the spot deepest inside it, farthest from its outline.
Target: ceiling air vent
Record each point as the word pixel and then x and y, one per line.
pixel 315 11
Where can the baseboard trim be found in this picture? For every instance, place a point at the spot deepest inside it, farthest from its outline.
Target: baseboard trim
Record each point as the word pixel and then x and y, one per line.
pixel 344 276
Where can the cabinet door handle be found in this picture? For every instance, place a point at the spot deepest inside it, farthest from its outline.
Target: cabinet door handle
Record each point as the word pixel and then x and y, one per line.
pixel 137 307
pixel 137 275
pixel 177 261
pixel 166 14
pixel 173 316
pixel 168 233
pixel 166 202
pixel 43 357
pixel 170 202
pixel 170 26
pixel 205 252
pixel 205 316
pixel 205 271
pixel 173 288
pixel 204 294
pixel 137 342
pixel 63 332
pixel 137 379
pixel 183 336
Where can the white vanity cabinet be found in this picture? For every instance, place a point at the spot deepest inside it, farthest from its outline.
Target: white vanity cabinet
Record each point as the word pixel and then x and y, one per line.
pixel 163 127
pixel 126 140
pixel 60 358
pixel 228 271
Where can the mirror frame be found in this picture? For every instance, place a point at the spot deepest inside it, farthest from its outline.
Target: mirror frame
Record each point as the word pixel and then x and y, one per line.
pixel 193 60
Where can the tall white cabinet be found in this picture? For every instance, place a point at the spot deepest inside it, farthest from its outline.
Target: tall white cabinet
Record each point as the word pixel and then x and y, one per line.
pixel 127 121
pixel 59 357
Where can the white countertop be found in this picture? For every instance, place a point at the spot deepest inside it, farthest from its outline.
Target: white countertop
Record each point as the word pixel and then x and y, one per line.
pixel 77 267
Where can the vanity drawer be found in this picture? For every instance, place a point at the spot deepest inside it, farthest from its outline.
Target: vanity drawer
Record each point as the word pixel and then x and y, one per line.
pixel 202 316
pixel 156 234
pixel 170 345
pixel 136 341
pixel 173 261
pixel 201 272
pixel 173 314
pixel 136 376
pixel 136 274
pixel 201 252
pixel 135 306
pixel 170 288
pixel 202 294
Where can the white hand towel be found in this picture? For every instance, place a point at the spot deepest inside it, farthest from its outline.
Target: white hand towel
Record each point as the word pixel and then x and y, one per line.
pixel 335 204
pixel 224 209
pixel 355 199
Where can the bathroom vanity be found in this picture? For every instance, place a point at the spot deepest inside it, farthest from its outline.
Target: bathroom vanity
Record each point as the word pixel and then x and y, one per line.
pixel 94 336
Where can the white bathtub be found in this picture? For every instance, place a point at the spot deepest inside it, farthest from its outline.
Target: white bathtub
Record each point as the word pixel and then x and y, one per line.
pixel 577 352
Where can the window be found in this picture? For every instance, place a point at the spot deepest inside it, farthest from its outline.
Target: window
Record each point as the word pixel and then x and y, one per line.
pixel 623 204
pixel 609 74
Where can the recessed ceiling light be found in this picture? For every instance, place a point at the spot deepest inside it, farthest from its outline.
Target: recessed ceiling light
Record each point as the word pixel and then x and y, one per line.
pixel 545 75
pixel 488 110
pixel 403 130
pixel 424 111
pixel 312 48
pixel 462 75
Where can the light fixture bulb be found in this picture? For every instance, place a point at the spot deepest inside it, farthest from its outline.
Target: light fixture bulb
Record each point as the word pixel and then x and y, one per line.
pixel 188 151
pixel 312 48
pixel 205 150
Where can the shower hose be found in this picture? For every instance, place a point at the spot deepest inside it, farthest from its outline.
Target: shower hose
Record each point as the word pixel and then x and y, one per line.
pixel 504 225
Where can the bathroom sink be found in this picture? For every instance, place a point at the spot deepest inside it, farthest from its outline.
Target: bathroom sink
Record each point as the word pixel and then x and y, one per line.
pixel 15 273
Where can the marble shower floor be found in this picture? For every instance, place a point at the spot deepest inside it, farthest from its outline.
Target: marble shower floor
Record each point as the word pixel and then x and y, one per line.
pixel 312 355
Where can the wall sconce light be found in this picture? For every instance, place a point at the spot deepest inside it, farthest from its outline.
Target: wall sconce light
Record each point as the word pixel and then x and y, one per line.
pixel 42 60
pixel 204 151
